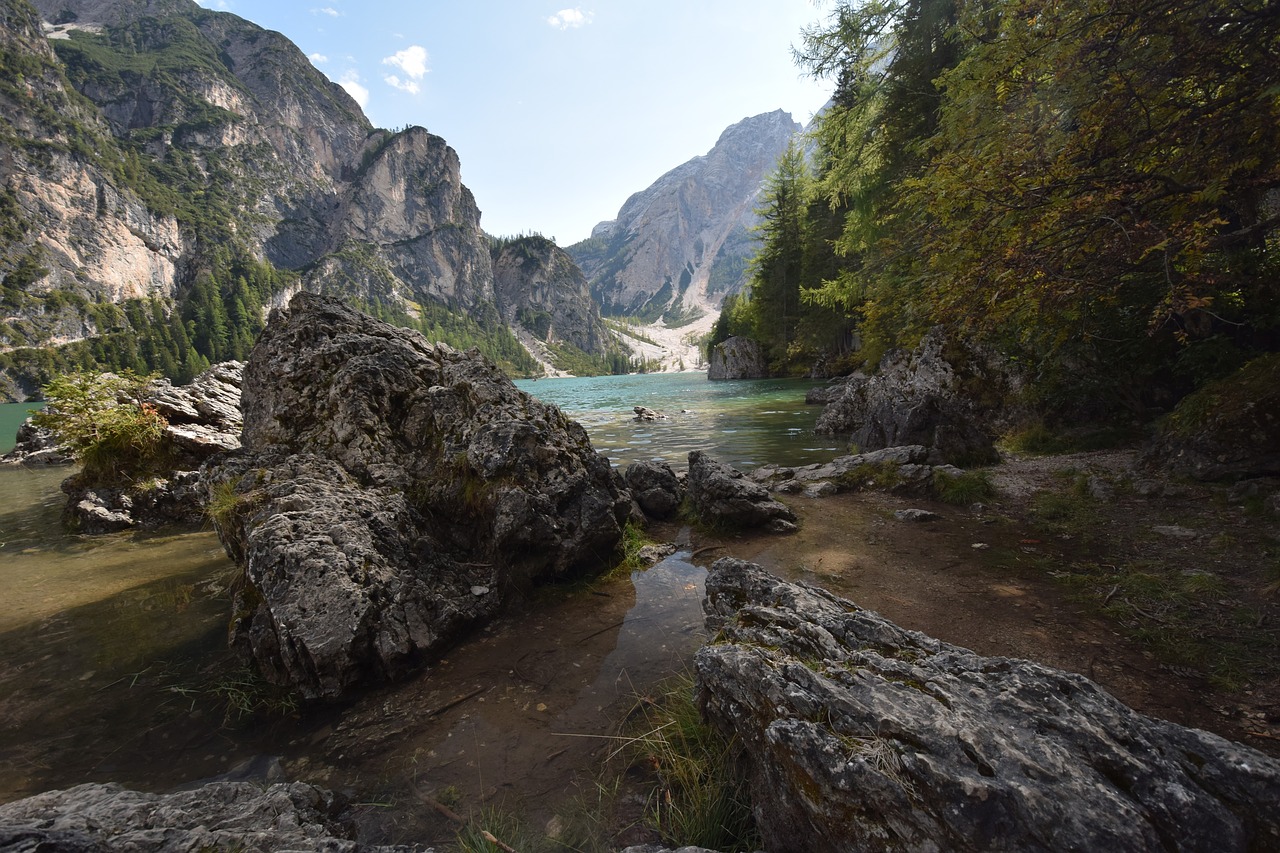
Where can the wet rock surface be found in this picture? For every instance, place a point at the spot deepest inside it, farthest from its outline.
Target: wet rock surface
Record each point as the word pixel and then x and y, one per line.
pixel 864 736
pixel 721 495
pixel 384 478
pixel 923 397
pixel 97 818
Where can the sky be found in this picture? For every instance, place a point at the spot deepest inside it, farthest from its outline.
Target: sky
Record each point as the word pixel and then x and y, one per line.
pixel 558 113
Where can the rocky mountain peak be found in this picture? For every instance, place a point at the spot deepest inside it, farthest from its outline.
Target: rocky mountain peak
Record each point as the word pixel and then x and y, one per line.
pixel 677 248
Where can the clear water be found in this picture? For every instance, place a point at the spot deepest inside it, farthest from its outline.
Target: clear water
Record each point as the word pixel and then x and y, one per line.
pixel 11 417
pixel 746 423
pixel 113 644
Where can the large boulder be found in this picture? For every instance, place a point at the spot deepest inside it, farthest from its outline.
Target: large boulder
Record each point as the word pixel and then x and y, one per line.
pixel 861 735
pixel 392 493
pixel 722 496
pixel 930 396
pixel 98 818
pixel 655 487
pixel 737 358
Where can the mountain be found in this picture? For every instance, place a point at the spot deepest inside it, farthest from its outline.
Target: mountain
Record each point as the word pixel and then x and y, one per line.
pixel 541 291
pixel 679 247
pixel 167 172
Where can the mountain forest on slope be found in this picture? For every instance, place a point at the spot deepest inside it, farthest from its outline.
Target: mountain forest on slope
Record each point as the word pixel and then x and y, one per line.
pixel 1091 189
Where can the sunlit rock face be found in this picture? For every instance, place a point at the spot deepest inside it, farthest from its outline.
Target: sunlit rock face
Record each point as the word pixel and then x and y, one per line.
pixel 391 494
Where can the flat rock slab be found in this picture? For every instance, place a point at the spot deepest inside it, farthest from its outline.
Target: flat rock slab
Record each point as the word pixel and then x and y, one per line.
pixel 864 736
pixel 96 818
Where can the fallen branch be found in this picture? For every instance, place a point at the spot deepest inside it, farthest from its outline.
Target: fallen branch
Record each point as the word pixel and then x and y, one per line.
pixel 453 704
pixel 438 806
pixel 488 836
pixel 705 550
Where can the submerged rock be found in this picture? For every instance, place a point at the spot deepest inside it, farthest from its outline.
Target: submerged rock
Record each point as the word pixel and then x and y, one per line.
pixel 382 480
pixel 96 818
pixel 721 495
pixel 861 735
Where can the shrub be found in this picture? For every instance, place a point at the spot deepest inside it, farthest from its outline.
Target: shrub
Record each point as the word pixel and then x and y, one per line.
pixel 106 423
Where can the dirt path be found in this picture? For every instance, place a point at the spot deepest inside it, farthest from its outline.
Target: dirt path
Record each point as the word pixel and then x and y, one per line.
pixel 1168 600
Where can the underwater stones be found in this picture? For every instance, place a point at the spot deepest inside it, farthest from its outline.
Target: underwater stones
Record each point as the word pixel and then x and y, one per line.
pixel 861 735
pixel 382 479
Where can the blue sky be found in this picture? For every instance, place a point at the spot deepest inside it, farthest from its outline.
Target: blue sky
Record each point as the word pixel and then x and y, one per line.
pixel 557 112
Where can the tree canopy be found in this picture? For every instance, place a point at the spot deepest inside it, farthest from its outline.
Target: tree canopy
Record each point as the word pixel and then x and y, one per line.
pixel 1092 187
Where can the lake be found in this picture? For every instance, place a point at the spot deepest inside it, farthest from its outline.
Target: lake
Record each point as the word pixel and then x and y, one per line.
pixel 747 423
pixel 11 417
pixel 117 669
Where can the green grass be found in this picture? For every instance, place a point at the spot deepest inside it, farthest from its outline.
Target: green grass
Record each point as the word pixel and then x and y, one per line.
pixel 963 489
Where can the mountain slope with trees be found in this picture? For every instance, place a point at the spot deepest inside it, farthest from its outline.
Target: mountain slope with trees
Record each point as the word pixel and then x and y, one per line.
pixel 172 171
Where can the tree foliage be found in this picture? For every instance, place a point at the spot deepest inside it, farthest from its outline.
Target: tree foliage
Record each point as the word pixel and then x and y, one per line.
pixel 104 419
pixel 1090 187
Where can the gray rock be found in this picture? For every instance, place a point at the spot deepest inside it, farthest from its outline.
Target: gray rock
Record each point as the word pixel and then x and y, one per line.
pixel 644 413
pixel 861 735
pixel 901 470
pixel 720 494
pixel 916 398
pixel 35 445
pixel 97 818
pixel 655 487
pixel 737 358
pixel 820 489
pixel 829 393
pixel 651 555
pixel 1174 531
pixel 381 479
pixel 916 515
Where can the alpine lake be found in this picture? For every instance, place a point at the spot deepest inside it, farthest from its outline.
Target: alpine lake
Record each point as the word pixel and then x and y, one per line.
pixel 116 666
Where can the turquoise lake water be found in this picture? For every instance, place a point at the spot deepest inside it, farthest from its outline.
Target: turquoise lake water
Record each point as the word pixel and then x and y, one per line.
pixel 746 423
pixel 11 417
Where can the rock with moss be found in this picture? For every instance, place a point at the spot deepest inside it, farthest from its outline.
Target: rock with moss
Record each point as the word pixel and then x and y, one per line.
pixel 723 496
pixel 861 735
pixel 939 396
pixel 912 470
pixel 1228 430
pixel 391 494
pixel 105 818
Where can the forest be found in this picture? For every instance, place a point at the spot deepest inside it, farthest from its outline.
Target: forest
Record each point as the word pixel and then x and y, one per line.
pixel 1091 189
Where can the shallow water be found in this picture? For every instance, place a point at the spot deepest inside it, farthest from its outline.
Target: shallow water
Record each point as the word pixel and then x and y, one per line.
pixel 11 417
pixel 746 423
pixel 116 645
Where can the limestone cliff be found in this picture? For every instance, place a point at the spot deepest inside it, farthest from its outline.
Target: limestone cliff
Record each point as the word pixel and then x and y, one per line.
pixel 541 289
pixel 678 247
pixel 143 142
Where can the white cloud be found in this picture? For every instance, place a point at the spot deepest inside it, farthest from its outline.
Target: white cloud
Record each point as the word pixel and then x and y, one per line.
pixel 412 61
pixel 318 58
pixel 403 85
pixel 351 82
pixel 214 4
pixel 326 10
pixel 566 18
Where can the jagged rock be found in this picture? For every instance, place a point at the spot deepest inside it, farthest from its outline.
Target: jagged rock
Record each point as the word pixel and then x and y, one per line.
pixel 98 818
pixel 539 287
pixel 720 494
pixel 829 393
pixel 383 479
pixel 204 419
pixel 35 445
pixel 861 735
pixel 651 555
pixel 1227 430
pixel 921 398
pixel 737 358
pixel 644 413
pixel 684 240
pixel 655 487
pixel 903 470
